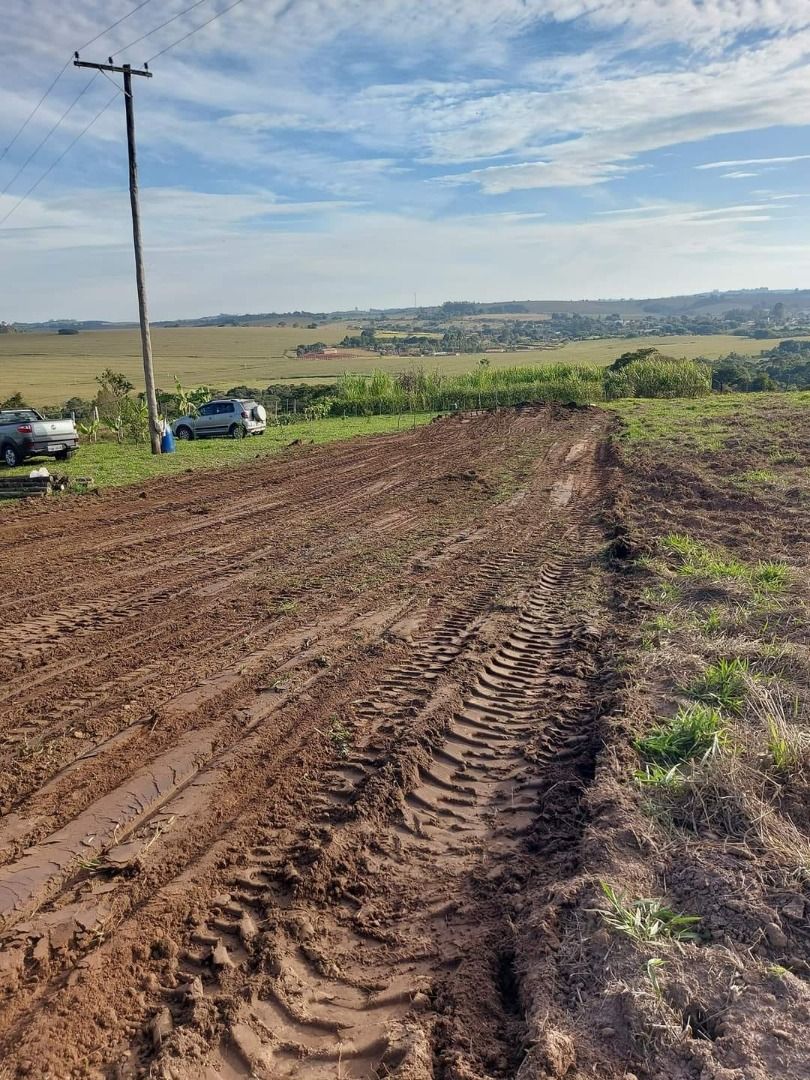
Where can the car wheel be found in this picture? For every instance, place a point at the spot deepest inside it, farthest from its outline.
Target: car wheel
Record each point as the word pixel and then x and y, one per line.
pixel 237 431
pixel 64 455
pixel 184 433
pixel 12 456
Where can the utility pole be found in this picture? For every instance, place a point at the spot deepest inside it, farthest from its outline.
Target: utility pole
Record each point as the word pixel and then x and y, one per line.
pixel 140 276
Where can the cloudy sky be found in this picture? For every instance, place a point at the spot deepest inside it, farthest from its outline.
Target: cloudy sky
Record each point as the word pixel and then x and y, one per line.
pixel 329 154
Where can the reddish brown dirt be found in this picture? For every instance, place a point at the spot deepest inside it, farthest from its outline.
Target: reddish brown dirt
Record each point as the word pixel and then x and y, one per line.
pixel 288 749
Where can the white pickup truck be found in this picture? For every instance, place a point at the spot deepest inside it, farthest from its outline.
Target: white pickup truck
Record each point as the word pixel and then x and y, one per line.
pixel 25 433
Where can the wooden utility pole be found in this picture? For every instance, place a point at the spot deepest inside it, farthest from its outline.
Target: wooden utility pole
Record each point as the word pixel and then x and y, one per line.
pixel 140 276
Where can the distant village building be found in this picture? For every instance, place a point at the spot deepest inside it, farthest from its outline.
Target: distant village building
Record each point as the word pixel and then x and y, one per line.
pixel 328 353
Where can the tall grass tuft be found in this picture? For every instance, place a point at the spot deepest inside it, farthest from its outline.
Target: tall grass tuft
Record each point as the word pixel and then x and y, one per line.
pixel 723 685
pixel 694 731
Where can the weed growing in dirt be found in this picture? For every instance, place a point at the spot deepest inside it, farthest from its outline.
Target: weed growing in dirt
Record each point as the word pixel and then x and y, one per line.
pixel 758 476
pixel 341 738
pixel 651 631
pixel 659 776
pixel 699 560
pixel 712 623
pixel 723 685
pixel 654 965
pixel 287 607
pixel 663 592
pixel 694 731
pixel 646 920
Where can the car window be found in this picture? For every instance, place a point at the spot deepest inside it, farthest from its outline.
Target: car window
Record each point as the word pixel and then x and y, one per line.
pixel 224 407
pixel 14 416
pixel 208 410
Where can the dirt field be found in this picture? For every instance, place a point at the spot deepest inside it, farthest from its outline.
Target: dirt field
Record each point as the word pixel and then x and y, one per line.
pixel 284 746
pixel 315 768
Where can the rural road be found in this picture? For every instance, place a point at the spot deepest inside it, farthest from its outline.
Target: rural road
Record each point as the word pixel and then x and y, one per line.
pixel 288 748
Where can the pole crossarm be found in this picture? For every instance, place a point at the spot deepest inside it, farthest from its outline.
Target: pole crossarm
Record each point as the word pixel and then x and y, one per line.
pixel 145 72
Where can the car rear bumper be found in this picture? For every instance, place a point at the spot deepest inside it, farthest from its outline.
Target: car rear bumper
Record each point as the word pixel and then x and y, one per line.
pixel 43 447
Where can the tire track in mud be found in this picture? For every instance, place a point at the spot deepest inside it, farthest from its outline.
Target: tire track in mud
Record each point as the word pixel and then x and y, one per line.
pixel 313 873
pixel 351 981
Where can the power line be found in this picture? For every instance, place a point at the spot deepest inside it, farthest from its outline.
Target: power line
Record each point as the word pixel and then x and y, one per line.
pixel 57 125
pixel 98 115
pixel 174 18
pixel 202 26
pixel 62 71
pixel 53 164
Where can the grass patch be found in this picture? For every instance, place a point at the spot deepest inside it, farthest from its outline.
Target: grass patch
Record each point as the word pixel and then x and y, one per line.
pixel 723 685
pixel 646 920
pixel 699 560
pixel 113 465
pixel 694 731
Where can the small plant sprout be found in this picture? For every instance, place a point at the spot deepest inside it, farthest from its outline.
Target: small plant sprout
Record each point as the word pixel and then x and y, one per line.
pixel 659 776
pixel 712 623
pixel 695 731
pixel 723 684
pixel 340 737
pixel 646 920
pixel 654 965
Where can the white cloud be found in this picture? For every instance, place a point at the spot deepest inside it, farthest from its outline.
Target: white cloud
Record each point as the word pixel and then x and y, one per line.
pixel 210 261
pixel 753 161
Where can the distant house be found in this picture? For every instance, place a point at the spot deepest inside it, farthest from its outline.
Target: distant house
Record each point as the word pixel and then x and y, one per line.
pixel 327 353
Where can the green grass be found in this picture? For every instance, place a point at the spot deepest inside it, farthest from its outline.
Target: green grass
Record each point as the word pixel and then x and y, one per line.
pixel 112 465
pixel 699 560
pixel 647 921
pixel 705 423
pixel 723 685
pixel 49 368
pixel 694 731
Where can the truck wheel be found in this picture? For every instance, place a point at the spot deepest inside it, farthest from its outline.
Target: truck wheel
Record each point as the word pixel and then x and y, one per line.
pixel 185 433
pixel 237 431
pixel 65 455
pixel 12 456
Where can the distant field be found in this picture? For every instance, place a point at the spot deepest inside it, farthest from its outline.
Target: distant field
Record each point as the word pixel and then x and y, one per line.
pixel 48 368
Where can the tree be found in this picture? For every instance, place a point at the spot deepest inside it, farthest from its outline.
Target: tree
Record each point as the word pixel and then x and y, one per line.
pixel 16 401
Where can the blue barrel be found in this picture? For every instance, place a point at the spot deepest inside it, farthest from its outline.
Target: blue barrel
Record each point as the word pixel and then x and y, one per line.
pixel 167 442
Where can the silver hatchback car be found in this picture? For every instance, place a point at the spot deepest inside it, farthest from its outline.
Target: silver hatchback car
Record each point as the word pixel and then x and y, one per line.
pixel 235 417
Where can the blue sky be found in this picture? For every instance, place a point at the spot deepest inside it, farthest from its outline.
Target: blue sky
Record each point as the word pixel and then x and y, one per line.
pixel 322 154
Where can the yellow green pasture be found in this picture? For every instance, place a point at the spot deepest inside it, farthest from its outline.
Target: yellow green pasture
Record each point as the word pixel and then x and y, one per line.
pixel 48 368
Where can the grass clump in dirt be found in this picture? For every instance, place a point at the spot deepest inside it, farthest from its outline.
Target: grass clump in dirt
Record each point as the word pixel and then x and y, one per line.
pixel 694 731
pixel 723 685
pixel 340 738
pixel 699 560
pixel 647 920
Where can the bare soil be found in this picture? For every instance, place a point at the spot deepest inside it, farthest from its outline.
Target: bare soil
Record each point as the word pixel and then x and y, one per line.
pixel 289 749
pixel 312 768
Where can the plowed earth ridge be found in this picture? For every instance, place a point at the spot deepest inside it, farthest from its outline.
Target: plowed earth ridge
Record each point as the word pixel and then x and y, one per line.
pixel 281 742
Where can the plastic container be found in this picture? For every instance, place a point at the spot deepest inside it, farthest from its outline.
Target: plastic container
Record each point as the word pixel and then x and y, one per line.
pixel 167 444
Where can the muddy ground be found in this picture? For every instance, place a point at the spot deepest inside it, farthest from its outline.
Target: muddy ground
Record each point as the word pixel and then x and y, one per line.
pixel 288 748
pixel 311 768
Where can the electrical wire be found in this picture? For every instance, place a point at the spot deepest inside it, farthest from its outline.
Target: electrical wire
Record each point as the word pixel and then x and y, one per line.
pixel 42 142
pixel 202 26
pixel 174 18
pixel 118 90
pixel 62 71
pixel 53 164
